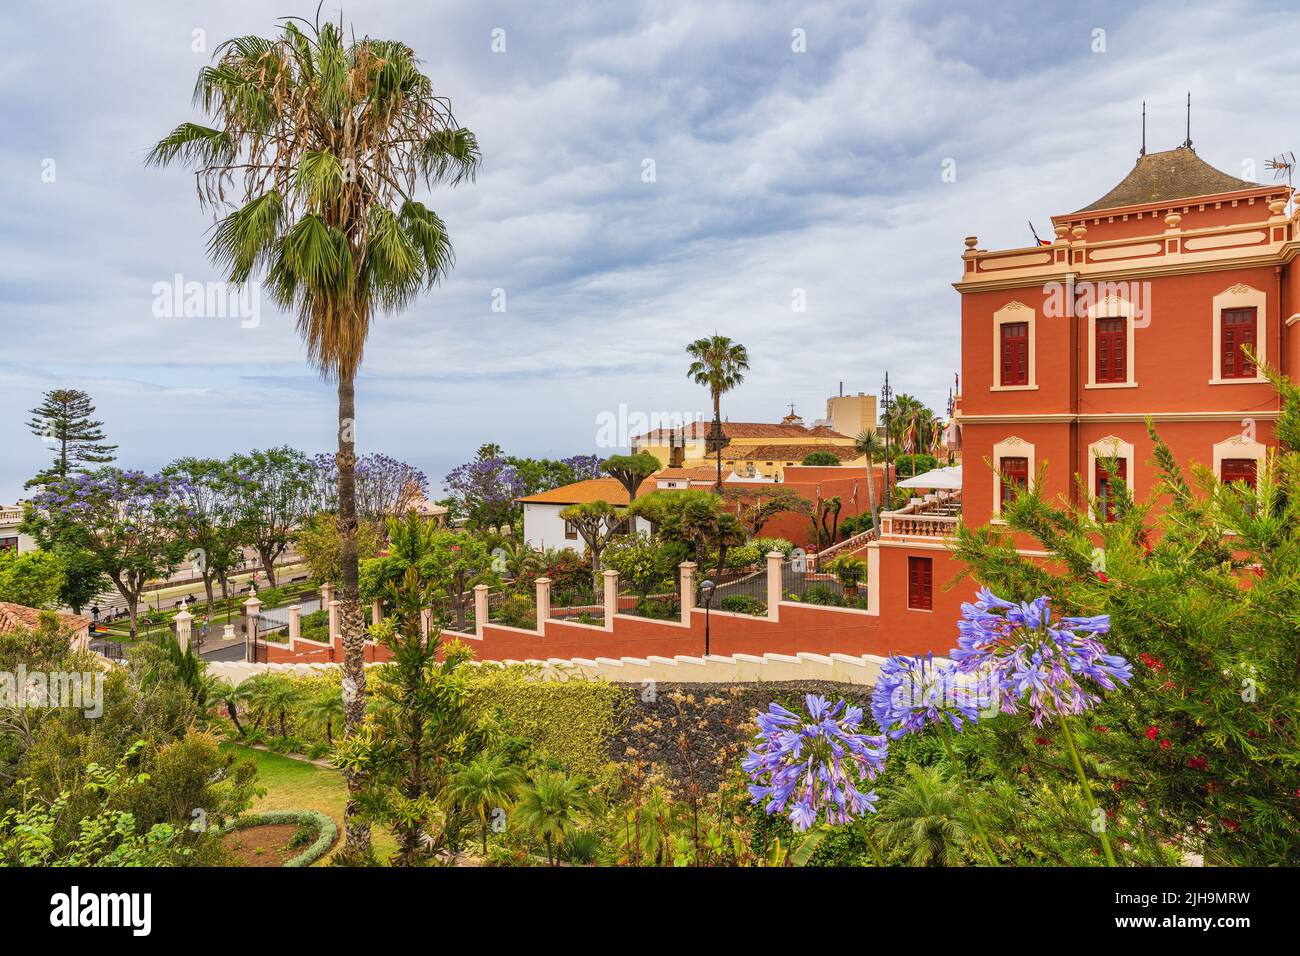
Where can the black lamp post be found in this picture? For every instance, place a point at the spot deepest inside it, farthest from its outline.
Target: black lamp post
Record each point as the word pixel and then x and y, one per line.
pixel 887 403
pixel 706 586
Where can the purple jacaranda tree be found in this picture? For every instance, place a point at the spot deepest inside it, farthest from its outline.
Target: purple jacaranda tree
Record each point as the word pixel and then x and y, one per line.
pixel 814 768
pixel 272 494
pixel 1040 661
pixel 485 489
pixel 385 487
pixel 585 467
pixel 130 522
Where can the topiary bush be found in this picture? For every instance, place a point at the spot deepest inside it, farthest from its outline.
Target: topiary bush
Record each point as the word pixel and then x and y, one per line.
pixel 326 831
pixel 743 604
pixel 570 722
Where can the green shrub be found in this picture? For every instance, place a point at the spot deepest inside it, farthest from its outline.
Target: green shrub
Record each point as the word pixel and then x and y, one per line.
pixel 906 466
pixel 850 571
pixel 825 595
pixel 823 458
pixel 570 722
pixel 655 608
pixel 517 610
pixel 743 604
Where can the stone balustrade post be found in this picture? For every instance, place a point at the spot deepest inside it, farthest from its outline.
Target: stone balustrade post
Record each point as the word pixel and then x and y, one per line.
pixel 333 609
pixel 251 609
pixel 774 561
pixel 687 569
pixel 183 624
pixel 611 598
pixel 480 608
pixel 543 603
pixel 295 624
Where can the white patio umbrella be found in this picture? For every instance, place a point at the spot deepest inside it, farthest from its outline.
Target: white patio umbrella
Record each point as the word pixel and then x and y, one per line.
pixel 938 479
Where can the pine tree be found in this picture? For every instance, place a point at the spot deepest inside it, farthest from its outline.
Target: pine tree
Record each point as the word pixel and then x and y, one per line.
pixel 63 420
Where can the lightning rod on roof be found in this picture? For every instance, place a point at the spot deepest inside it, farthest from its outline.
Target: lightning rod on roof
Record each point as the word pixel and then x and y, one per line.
pixel 1144 130
pixel 1188 142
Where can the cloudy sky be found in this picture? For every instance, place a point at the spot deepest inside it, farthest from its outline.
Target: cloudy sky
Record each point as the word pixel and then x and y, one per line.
pixel 778 173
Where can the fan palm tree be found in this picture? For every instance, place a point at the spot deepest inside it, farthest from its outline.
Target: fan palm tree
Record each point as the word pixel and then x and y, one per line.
pixel 720 365
pixel 922 816
pixel 483 786
pixel 552 805
pixel 870 445
pixel 219 689
pixel 323 710
pixel 273 695
pixel 325 142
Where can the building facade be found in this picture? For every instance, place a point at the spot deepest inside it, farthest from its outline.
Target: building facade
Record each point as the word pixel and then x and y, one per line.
pixel 1139 308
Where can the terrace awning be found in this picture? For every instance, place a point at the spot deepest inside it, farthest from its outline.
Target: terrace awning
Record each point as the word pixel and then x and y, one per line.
pixel 939 479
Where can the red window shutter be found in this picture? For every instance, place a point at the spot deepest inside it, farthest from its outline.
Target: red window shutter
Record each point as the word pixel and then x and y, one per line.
pixel 1238 469
pixel 920 593
pixel 1112 350
pixel 1015 476
pixel 1015 353
pixel 1103 484
pixel 1236 328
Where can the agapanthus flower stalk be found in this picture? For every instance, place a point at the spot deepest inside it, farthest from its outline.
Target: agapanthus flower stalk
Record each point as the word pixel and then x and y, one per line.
pixel 813 768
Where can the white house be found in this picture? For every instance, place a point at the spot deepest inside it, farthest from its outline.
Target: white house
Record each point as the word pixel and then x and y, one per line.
pixel 543 526
pixel 10 517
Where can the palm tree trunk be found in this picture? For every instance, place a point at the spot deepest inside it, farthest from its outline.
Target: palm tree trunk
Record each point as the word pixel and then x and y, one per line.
pixel 350 622
pixel 871 488
pixel 717 417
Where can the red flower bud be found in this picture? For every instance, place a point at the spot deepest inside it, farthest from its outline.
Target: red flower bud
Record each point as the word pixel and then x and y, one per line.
pixel 1153 732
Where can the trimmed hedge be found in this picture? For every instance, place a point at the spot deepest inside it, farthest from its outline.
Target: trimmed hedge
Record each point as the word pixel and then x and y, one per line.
pixel 327 830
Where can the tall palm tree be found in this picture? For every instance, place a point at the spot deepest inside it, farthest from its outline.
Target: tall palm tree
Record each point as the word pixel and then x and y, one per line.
pixel 483 786
pixel 720 365
pixel 922 816
pixel 870 445
pixel 326 143
pixel 552 805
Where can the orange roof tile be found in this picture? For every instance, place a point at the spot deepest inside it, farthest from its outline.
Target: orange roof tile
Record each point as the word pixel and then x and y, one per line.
pixel 15 617
pixel 786 452
pixel 585 492
pixel 696 431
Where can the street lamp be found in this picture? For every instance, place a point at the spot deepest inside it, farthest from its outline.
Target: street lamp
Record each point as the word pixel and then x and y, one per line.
pixel 706 586
pixel 887 403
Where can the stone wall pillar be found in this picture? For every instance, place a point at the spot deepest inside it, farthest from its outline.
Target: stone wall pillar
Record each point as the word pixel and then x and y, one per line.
pixel 376 611
pixel 774 561
pixel 687 569
pixel 333 608
pixel 251 609
pixel 326 594
pixel 611 598
pixel 183 623
pixel 480 608
pixel 426 623
pixel 543 603
pixel 295 624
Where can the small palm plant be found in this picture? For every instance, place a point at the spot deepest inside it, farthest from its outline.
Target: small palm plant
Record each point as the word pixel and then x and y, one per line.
pixel 552 805
pixel 485 785
pixel 273 695
pixel 922 817
pixel 218 689
pixel 871 446
pixel 324 711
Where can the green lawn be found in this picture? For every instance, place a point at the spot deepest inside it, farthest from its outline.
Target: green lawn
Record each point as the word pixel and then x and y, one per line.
pixel 297 785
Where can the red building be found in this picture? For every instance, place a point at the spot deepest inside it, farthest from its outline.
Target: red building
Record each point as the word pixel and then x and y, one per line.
pixel 1139 308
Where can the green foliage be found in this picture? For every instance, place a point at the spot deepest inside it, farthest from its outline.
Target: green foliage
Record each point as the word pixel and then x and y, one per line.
pixel 1202 599
pixel 517 610
pixel 105 835
pixel 553 806
pixel 743 604
pixel 821 459
pixel 906 466
pixel 645 564
pixel 568 722
pixel 849 570
pixel 922 819
pixel 32 578
pixel 319 543
pixel 63 421
pixel 631 470
pixel 449 563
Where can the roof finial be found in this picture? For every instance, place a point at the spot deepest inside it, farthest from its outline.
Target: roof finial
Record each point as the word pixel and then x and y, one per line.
pixel 1188 142
pixel 1144 130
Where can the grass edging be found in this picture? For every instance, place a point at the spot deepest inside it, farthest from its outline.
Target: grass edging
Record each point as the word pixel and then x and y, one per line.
pixel 327 830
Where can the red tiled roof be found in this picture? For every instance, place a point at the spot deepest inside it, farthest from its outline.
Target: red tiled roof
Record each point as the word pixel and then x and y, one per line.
pixel 696 431
pixel 794 453
pixel 14 617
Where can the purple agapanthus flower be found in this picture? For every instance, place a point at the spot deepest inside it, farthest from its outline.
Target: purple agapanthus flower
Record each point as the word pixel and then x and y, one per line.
pixel 913 692
pixel 814 766
pixel 1036 660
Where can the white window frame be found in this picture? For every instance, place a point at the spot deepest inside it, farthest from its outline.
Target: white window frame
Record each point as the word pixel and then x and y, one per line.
pixel 1010 447
pixel 1109 447
pixel 1111 307
pixel 1239 296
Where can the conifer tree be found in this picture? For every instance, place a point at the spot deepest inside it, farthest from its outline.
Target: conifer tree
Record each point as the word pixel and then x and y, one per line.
pixel 64 421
